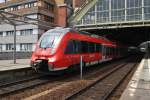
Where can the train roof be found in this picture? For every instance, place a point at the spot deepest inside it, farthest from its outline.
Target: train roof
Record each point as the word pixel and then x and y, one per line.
pixel 60 32
pixel 63 31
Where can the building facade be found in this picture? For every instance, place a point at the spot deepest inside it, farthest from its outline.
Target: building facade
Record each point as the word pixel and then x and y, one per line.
pixel 113 14
pixel 51 13
pixel 78 3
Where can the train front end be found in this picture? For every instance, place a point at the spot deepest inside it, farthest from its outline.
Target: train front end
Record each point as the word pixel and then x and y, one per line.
pixel 44 56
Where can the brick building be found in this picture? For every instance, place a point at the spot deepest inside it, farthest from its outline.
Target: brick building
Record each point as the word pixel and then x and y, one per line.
pixel 64 8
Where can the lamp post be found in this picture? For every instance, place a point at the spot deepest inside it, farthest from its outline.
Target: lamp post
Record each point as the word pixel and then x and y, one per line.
pixel 81 67
pixel 14 51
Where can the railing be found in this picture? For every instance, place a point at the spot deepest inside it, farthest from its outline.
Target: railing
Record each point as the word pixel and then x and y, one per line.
pixel 79 9
pixel 82 6
pixel 111 25
pixel 25 11
pixel 78 14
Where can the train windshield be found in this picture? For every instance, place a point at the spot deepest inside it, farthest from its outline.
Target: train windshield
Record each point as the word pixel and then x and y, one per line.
pixel 51 38
pixel 47 41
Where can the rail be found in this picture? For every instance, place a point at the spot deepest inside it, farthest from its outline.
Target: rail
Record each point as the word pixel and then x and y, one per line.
pixel 104 77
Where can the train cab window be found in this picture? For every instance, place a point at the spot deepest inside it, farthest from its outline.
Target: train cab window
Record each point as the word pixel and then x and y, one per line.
pixel 70 47
pixel 47 41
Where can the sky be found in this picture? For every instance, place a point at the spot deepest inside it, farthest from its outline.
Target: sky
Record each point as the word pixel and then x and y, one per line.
pixel 2 1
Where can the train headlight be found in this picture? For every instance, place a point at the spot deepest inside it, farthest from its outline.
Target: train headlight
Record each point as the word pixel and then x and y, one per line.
pixel 35 47
pixel 52 51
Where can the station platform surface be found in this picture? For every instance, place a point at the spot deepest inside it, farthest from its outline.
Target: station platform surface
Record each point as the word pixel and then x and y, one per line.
pixel 139 85
pixel 9 64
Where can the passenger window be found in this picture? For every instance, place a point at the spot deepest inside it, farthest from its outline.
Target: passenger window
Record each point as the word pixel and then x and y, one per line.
pixel 70 47
pixel 84 47
pixel 91 47
pixel 77 47
pixel 98 47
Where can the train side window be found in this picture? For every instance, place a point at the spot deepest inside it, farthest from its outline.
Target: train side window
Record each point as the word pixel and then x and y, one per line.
pixel 104 49
pixel 110 51
pixel 95 47
pixel 77 46
pixel 98 47
pixel 70 47
pixel 84 47
pixel 107 50
pixel 91 47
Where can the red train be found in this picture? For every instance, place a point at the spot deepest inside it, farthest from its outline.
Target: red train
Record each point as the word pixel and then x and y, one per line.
pixel 61 48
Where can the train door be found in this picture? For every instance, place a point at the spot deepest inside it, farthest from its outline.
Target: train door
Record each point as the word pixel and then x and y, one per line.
pixel 103 52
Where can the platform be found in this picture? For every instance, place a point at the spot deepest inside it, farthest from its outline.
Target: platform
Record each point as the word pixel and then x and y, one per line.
pixel 9 65
pixel 139 86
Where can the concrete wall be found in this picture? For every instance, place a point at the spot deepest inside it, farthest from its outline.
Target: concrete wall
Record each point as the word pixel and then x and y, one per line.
pixel 19 39
pixel 19 55
pixel 32 39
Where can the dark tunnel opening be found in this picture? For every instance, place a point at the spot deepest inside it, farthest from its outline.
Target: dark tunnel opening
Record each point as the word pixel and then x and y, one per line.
pixel 131 36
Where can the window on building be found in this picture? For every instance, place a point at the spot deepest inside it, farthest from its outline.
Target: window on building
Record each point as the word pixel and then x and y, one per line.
pixel 1 33
pixel 48 18
pixel 2 9
pixel 11 9
pixel 29 5
pixel 35 3
pixel 26 6
pixel 26 47
pixel 32 16
pixel 0 47
pixel 39 16
pixel 26 32
pixel 6 9
pixel 49 6
pixel 15 8
pixel 9 33
pixel 19 7
pixel 9 46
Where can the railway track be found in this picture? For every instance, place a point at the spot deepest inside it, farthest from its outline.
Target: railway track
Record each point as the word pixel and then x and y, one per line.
pixel 13 87
pixel 102 87
pixel 74 88
pixel 16 87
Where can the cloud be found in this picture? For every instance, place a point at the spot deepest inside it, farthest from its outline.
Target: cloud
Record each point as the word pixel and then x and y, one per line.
pixel 2 1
